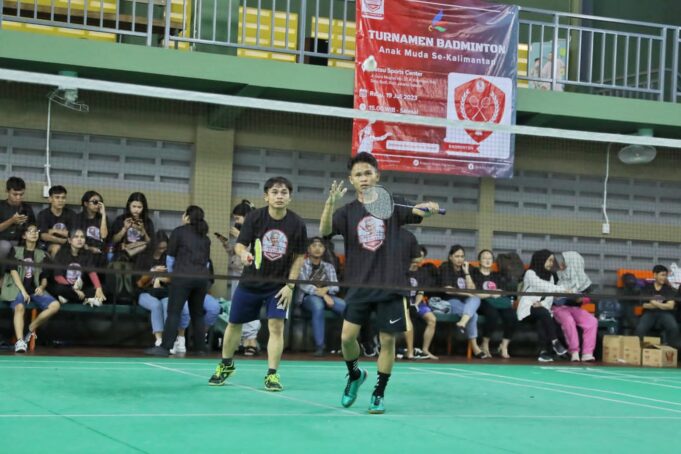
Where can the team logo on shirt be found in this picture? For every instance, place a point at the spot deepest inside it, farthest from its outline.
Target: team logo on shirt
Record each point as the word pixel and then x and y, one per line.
pixel 133 235
pixel 93 232
pixel 489 285
pixel 371 233
pixel 414 283
pixel 461 282
pixel 59 226
pixel 274 244
pixel 73 275
pixel 28 268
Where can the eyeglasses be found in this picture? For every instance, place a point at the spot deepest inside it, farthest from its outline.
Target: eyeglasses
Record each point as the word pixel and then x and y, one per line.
pixel 95 202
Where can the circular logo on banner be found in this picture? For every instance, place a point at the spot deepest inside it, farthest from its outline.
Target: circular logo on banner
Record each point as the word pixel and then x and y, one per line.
pixel 489 285
pixel 479 100
pixel 371 233
pixel 73 275
pixel 274 244
pixel 461 282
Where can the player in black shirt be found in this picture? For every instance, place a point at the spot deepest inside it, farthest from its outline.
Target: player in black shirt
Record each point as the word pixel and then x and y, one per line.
pixel 371 248
pixel 283 236
pixel 659 305
pixel 56 221
pixel 14 215
pixel 188 253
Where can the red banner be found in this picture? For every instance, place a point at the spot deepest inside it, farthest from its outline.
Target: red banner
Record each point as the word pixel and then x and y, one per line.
pixel 444 58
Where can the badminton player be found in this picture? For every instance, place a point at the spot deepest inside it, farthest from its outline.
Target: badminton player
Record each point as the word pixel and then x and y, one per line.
pixel 283 236
pixel 372 249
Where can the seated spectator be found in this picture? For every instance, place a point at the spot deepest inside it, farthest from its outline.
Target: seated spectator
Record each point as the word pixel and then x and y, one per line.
pixel 568 311
pixel 658 308
pixel 539 278
pixel 420 277
pixel 132 231
pixel 56 221
pixel 455 276
pixel 317 298
pixel 24 285
pixel 72 284
pixel 15 214
pixel 497 309
pixel 92 219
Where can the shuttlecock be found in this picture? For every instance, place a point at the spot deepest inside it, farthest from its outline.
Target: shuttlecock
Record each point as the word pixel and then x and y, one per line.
pixel 369 64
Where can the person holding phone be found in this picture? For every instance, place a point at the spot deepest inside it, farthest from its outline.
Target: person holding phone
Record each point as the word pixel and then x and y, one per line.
pixel 14 215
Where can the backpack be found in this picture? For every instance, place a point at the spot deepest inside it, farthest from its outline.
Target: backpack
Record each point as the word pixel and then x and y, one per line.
pixel 118 286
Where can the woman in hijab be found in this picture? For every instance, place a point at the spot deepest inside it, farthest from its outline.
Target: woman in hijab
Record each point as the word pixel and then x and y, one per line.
pixel 570 314
pixel 540 278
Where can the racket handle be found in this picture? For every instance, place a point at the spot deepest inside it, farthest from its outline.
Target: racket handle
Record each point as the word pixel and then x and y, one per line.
pixel 441 211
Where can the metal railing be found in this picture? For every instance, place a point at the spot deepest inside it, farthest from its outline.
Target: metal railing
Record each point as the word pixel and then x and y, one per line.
pixel 560 51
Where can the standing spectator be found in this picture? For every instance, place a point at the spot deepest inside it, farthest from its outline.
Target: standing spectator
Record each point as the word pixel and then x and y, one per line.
pixel 14 215
pixel 497 309
pixel 540 278
pixel 456 278
pixel 92 219
pixel 659 304
pixel 317 298
pixel 133 231
pixel 568 311
pixel 56 221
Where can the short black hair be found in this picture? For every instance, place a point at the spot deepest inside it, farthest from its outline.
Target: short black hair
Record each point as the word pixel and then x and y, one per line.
pixel 660 269
pixel 58 189
pixel 15 184
pixel 483 251
pixel 424 251
pixel 363 157
pixel 316 238
pixel 270 183
pixel 243 208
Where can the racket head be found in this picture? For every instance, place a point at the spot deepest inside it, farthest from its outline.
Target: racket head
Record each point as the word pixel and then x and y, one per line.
pixel 257 254
pixel 378 201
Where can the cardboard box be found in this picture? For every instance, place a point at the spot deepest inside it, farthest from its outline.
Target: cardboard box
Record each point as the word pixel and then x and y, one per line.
pixel 622 350
pixel 656 355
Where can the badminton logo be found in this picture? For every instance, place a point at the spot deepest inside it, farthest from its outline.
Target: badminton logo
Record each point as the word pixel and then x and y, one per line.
pixel 461 282
pixel 437 23
pixel 489 285
pixel 373 9
pixel 93 232
pixel 371 233
pixel 28 268
pixel 479 100
pixel 133 235
pixel 274 244
pixel 73 275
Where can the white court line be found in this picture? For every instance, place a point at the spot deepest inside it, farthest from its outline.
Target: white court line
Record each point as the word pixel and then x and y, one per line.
pixel 274 394
pixel 475 376
pixel 599 376
pixel 196 368
pixel 334 415
pixel 626 375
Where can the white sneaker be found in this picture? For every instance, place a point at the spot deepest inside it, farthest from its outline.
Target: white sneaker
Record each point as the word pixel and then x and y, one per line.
pixel 158 342
pixel 574 356
pixel 28 336
pixel 93 302
pixel 179 346
pixel 62 300
pixel 20 346
pixel 588 357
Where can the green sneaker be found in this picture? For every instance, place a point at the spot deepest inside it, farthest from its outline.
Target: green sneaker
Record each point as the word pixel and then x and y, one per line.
pixel 221 374
pixel 350 393
pixel 376 406
pixel 272 383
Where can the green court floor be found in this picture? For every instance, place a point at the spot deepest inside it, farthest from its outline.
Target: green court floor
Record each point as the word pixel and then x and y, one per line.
pixel 138 405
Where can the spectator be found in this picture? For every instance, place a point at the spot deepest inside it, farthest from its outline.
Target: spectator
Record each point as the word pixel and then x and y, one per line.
pixel 547 72
pixel 316 298
pixel 133 230
pixel 92 219
pixel 72 284
pixel 539 278
pixel 56 221
pixel 420 277
pixel 568 311
pixel 659 305
pixel 14 215
pixel 455 276
pixel 497 309
pixel 25 285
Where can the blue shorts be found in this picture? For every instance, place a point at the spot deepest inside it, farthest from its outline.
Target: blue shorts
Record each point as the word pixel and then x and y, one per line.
pixel 42 301
pixel 423 309
pixel 247 303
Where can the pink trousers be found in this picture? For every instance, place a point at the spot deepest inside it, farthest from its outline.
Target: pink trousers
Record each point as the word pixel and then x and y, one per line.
pixel 569 318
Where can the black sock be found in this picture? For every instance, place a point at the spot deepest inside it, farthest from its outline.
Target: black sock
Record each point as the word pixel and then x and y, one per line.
pixel 381 383
pixel 271 371
pixel 227 361
pixel 353 369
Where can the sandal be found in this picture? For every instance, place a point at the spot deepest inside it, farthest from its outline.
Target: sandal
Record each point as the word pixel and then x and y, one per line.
pixel 250 351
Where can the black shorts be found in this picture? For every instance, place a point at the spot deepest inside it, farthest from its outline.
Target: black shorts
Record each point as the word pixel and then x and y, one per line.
pixel 392 313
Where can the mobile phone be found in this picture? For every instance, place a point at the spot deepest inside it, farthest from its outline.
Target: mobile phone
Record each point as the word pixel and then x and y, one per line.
pixel 220 237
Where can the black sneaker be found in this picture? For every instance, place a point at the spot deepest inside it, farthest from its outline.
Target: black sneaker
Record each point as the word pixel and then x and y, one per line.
pixel 319 352
pixel 559 348
pixel 545 357
pixel 157 351
pixel 221 374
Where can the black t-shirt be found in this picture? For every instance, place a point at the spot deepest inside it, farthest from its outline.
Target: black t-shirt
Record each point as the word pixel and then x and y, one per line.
pixel 191 250
pixel 281 241
pixel 493 281
pixel 649 292
pixel 64 258
pixel 371 248
pixel 420 278
pixel 449 277
pixel 48 220
pixel 132 235
pixel 91 227
pixel 13 232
